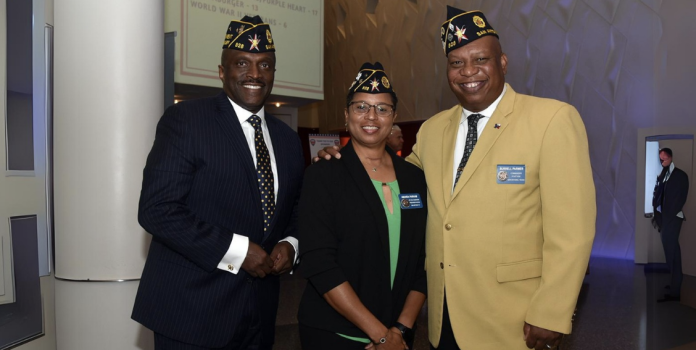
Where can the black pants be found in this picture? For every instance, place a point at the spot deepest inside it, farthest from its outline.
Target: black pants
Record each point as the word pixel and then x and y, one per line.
pixel 670 242
pixel 447 341
pixel 319 339
pixel 250 342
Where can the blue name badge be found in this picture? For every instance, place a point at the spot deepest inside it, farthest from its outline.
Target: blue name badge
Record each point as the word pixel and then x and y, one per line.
pixel 410 201
pixel 511 174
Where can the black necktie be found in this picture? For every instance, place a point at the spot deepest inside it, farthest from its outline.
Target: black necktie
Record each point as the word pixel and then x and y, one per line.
pixel 264 173
pixel 471 138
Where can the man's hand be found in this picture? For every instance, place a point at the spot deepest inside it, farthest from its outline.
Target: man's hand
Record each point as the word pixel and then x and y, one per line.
pixel 538 338
pixel 257 263
pixel 283 256
pixel 327 153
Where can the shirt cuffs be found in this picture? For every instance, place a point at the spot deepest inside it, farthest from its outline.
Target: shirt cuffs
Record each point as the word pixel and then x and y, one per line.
pixel 295 244
pixel 236 253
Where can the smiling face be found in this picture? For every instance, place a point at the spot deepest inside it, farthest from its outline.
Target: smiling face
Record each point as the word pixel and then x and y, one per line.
pixel 247 78
pixel 369 129
pixel 476 73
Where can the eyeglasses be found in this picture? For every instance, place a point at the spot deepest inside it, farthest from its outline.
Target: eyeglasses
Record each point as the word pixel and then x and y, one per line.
pixel 362 108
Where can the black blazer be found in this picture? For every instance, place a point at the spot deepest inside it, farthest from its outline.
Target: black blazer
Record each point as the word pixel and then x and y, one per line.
pixel 345 237
pixel 675 191
pixel 200 187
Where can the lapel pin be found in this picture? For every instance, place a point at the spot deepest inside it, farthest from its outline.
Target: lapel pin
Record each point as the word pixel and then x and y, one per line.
pixel 497 126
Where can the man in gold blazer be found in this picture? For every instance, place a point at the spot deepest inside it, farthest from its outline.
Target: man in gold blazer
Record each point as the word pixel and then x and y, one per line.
pixel 508 243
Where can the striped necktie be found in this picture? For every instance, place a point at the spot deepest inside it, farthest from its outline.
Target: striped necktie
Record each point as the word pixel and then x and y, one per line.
pixel 471 139
pixel 264 173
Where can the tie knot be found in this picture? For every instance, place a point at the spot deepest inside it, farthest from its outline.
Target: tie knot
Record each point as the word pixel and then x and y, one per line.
pixel 255 121
pixel 474 118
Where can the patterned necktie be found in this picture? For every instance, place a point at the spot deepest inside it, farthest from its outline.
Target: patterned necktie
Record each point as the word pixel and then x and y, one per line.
pixel 264 173
pixel 471 138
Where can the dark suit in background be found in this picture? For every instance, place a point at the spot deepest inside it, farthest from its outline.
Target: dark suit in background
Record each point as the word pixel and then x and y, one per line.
pixel 345 237
pixel 669 197
pixel 199 187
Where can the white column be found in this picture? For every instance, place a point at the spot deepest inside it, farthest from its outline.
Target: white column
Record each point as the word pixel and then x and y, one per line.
pixel 108 96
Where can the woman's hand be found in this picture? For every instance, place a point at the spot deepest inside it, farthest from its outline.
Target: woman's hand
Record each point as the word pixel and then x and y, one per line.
pixel 394 341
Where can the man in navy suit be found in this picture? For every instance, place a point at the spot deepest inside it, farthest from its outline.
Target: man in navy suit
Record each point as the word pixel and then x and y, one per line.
pixel 669 197
pixel 219 197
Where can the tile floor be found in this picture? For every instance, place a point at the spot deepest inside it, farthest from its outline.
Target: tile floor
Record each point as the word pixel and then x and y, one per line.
pixel 617 310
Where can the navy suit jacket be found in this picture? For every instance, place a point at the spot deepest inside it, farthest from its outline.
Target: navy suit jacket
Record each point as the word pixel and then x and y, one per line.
pixel 670 195
pixel 200 187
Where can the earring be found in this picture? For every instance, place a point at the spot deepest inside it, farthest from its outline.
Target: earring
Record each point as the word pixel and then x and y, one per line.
pixel 346 126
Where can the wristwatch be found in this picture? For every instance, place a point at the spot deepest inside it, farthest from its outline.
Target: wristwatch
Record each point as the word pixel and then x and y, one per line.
pixel 406 333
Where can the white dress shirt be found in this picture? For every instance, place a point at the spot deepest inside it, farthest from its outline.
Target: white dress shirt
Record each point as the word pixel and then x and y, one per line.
pixel 464 130
pixel 236 253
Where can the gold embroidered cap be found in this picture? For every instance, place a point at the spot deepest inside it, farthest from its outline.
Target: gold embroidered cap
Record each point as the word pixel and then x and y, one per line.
pixel 249 34
pixel 463 27
pixel 371 79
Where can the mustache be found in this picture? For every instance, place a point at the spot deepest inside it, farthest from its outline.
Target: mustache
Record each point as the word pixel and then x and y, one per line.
pixel 253 81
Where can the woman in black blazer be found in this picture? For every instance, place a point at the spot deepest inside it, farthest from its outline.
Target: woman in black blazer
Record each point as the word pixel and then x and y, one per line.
pixel 362 232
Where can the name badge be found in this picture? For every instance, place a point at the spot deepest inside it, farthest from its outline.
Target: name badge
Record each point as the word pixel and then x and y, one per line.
pixel 410 201
pixel 511 174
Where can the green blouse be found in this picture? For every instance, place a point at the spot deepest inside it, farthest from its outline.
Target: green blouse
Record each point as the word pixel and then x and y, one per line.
pixel 394 223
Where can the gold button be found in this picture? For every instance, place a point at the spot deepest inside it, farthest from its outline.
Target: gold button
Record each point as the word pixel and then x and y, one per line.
pixel 230 267
pixel 442 266
pixel 448 227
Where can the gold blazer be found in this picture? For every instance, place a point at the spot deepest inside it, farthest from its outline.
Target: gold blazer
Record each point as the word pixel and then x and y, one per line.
pixel 507 252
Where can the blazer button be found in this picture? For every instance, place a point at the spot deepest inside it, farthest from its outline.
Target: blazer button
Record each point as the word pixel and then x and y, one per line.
pixel 442 266
pixel 448 227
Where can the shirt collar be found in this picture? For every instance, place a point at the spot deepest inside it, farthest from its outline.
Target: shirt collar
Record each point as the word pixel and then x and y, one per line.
pixel 243 114
pixel 671 168
pixel 488 111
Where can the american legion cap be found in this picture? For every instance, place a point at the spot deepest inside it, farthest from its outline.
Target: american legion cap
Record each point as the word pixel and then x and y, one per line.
pixel 371 79
pixel 249 34
pixel 463 27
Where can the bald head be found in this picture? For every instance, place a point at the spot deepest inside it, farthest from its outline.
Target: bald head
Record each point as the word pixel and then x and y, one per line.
pixel 395 140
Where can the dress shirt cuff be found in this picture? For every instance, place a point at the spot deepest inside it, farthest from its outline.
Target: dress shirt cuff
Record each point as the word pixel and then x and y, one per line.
pixel 296 245
pixel 236 253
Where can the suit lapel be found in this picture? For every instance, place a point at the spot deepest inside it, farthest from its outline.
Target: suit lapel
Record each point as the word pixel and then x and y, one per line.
pixel 449 141
pixel 405 239
pixel 362 180
pixel 488 138
pixel 229 123
pixel 281 160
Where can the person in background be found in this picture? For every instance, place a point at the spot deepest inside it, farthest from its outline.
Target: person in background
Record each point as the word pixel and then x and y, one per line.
pixel 669 197
pixel 363 254
pixel 511 203
pixel 220 189
pixel 395 141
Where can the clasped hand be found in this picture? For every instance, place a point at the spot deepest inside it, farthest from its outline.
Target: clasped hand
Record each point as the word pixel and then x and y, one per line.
pixel 259 264
pixel 394 341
